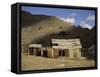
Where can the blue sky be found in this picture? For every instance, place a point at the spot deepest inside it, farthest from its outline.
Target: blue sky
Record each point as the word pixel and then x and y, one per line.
pixel 85 18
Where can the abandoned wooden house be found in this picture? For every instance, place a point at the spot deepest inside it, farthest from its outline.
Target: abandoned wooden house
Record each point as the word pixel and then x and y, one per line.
pixel 34 49
pixel 38 50
pixel 91 52
pixel 70 48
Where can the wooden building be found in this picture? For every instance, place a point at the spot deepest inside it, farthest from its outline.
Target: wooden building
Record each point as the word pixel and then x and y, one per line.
pixel 34 49
pixel 67 47
pixel 91 52
pixel 70 48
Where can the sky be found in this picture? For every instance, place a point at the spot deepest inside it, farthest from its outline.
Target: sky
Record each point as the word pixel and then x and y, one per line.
pixel 84 18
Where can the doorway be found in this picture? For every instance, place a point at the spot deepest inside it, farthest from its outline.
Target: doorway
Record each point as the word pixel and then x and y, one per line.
pixel 31 50
pixel 37 51
pixel 61 52
pixel 45 53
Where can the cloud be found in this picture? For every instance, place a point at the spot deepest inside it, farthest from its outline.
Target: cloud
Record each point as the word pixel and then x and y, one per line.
pixel 70 19
pixel 83 24
pixel 61 18
pixel 90 17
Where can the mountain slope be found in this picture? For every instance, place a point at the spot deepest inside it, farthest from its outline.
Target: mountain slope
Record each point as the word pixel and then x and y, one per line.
pixel 35 27
pixel 28 19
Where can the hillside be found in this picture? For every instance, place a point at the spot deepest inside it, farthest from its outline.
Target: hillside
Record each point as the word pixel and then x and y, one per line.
pixel 35 26
pixel 29 19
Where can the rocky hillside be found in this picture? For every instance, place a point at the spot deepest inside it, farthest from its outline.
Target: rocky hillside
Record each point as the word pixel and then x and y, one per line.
pixel 35 27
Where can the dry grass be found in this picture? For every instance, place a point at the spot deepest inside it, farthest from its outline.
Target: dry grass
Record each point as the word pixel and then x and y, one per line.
pixel 37 63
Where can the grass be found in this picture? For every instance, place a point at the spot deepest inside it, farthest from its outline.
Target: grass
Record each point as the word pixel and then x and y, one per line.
pixel 38 63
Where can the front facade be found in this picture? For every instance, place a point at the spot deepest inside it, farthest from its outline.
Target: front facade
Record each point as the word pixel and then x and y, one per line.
pixel 34 49
pixel 70 48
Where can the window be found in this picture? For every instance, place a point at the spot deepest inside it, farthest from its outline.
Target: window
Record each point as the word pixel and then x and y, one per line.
pixel 54 44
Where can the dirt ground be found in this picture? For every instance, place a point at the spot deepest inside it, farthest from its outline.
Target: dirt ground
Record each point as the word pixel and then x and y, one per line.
pixel 38 63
